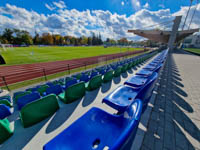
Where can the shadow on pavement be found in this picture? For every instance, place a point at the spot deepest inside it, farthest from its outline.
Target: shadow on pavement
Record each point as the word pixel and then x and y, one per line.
pixel 168 123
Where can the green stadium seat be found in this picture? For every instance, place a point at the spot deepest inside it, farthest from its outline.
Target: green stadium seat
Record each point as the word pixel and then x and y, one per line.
pixel 6 102
pixel 117 71
pixel 124 68
pixel 68 79
pixel 37 111
pixel 42 89
pixel 78 76
pixel 5 130
pixel 130 64
pixel 20 95
pixel 108 76
pixel 73 92
pixel 58 82
pixel 94 83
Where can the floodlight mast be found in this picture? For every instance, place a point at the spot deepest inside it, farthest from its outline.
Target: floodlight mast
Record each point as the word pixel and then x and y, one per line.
pixel 187 14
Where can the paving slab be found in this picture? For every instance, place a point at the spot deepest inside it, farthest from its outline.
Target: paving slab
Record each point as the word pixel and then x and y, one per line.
pixel 174 123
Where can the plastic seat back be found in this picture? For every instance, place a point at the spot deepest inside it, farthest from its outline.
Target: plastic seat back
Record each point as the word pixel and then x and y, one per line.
pixel 5 130
pixel 108 76
pixel 146 92
pixel 117 71
pixel 42 89
pixel 6 97
pixel 84 78
pixel 120 98
pixel 93 73
pixel 4 111
pixel 56 89
pixel 49 84
pixel 34 89
pixel 16 97
pixel 70 83
pixel 6 102
pixel 98 125
pixel 24 100
pixel 124 68
pixel 74 92
pixel 37 111
pixel 94 83
pixel 158 68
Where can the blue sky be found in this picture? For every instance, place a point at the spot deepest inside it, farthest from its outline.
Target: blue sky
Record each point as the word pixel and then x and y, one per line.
pixel 114 6
pixel 111 18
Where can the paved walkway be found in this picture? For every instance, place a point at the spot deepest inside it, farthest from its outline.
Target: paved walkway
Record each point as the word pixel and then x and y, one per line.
pixel 174 123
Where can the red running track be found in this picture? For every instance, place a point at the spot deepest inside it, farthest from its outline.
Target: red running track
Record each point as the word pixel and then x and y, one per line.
pixel 18 73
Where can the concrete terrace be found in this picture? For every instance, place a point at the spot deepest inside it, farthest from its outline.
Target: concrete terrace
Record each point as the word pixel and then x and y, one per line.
pixel 174 122
pixel 34 137
pixel 171 121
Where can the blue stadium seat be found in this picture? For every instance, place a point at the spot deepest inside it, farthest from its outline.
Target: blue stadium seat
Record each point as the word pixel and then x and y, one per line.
pixel 98 130
pixel 22 101
pixel 56 89
pixel 4 111
pixel 6 98
pixel 34 89
pixel 146 92
pixel 93 73
pixel 136 81
pixel 153 68
pixel 158 68
pixel 49 84
pixel 120 98
pixel 123 96
pixel 70 83
pixel 150 67
pixel 144 73
pixel 17 93
pixel 102 71
pixel 84 77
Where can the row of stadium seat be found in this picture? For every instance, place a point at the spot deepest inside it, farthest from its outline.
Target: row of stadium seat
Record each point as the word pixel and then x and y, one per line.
pixel 97 129
pixel 37 103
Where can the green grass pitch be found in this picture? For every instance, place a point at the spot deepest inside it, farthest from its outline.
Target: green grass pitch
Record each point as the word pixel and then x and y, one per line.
pixel 194 50
pixel 34 54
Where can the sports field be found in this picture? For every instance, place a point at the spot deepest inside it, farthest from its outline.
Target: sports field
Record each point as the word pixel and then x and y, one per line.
pixel 27 55
pixel 194 50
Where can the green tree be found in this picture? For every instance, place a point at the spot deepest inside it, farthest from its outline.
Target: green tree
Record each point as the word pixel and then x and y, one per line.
pixel 22 37
pixel 37 39
pixel 47 39
pixel 8 35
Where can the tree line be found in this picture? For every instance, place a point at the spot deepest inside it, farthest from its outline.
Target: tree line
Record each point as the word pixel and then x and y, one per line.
pixel 22 37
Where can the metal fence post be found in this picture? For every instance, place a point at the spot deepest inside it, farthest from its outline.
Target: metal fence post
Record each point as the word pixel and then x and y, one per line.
pixel 85 66
pixel 106 60
pixel 68 68
pixel 4 80
pixel 45 77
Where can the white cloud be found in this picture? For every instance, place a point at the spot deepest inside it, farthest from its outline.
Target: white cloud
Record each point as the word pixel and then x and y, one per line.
pixel 60 4
pixel 49 7
pixel 122 3
pixel 78 23
pixel 146 5
pixel 136 4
